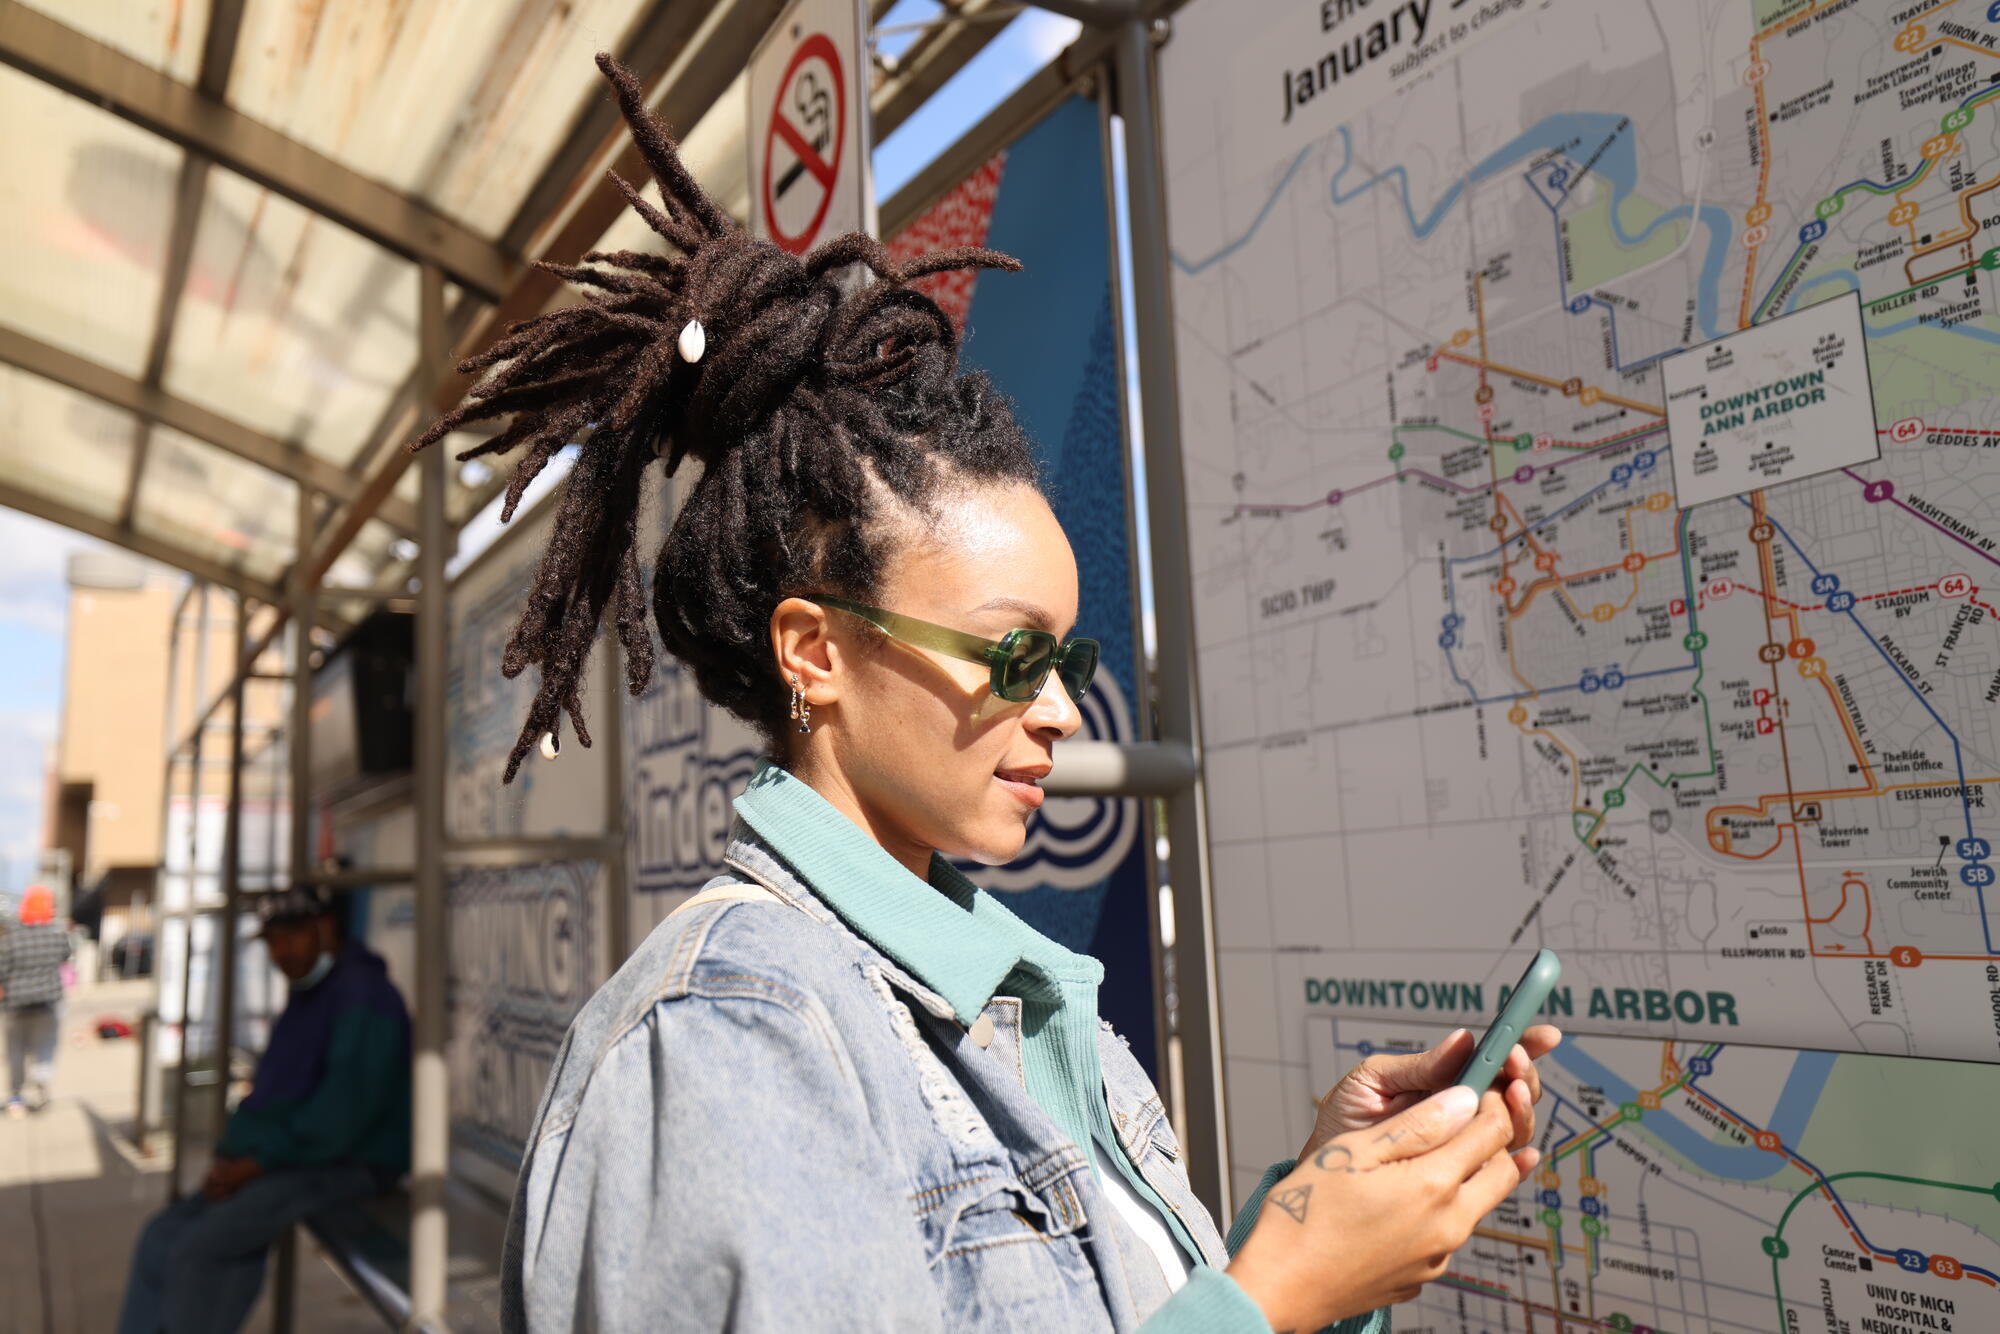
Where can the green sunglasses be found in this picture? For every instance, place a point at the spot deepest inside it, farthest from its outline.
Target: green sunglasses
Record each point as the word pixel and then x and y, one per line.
pixel 1020 662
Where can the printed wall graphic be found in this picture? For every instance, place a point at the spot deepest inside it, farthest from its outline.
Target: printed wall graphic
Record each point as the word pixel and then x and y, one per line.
pixel 1487 664
pixel 1046 336
pixel 563 796
pixel 526 951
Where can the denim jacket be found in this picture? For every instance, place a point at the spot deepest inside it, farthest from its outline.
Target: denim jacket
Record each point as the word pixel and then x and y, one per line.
pixel 764 1123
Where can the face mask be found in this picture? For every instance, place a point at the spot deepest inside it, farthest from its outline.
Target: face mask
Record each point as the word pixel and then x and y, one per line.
pixel 317 974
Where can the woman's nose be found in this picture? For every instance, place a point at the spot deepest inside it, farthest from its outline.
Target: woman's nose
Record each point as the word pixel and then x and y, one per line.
pixel 1054 710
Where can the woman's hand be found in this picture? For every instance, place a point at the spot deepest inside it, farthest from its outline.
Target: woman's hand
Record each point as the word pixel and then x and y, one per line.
pixel 1374 1214
pixel 1384 1085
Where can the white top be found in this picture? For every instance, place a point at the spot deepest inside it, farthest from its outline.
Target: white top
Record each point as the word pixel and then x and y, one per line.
pixel 1148 1222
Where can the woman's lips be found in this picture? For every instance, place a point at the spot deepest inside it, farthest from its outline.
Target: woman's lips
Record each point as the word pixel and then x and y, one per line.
pixel 1023 785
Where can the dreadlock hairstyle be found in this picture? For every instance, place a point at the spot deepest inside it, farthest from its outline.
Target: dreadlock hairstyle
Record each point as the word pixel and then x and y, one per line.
pixel 813 402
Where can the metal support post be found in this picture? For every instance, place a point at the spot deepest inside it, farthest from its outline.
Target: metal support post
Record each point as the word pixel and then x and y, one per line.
pixel 618 914
pixel 232 871
pixel 304 594
pixel 1177 691
pixel 430 1090
pixel 187 908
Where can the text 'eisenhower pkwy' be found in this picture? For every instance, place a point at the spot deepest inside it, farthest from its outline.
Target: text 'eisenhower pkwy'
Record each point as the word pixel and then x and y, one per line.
pixel 1779 401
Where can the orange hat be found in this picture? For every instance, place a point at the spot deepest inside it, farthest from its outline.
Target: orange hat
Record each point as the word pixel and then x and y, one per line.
pixel 38 905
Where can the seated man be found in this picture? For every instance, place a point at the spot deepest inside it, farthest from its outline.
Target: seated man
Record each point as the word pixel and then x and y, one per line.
pixel 327 1122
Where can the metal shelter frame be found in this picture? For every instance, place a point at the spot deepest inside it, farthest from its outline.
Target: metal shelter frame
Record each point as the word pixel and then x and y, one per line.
pixel 688 52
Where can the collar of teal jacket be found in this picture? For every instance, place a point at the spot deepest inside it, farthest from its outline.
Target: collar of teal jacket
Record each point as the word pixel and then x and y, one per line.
pixel 953 936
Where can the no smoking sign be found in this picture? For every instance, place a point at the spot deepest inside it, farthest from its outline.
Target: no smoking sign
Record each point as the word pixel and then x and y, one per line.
pixel 808 165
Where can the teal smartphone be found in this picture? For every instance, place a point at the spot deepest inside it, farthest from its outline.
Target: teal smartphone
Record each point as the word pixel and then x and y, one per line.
pixel 1515 1015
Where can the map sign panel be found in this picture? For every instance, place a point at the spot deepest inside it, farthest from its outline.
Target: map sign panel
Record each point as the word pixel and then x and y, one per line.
pixel 1483 668
pixel 1702 1186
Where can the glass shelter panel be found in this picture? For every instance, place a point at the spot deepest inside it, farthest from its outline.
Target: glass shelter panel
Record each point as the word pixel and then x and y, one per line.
pixel 215 504
pixel 168 37
pixel 64 445
pixel 86 201
pixel 290 324
pixel 458 102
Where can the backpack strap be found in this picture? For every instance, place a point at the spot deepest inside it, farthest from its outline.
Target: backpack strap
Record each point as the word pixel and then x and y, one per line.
pixel 718 893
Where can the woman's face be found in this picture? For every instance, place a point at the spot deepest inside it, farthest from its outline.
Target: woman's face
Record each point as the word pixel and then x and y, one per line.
pixel 924 753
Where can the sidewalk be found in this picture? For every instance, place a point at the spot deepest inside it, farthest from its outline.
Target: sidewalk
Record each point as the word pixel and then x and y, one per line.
pixel 74 1192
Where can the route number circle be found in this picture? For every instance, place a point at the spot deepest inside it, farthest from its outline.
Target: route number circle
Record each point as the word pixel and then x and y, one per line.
pixel 1903 213
pixel 1660 502
pixel 1649 1100
pixel 1976 874
pixel 1505 587
pixel 1431 364
pixel 1485 412
pixel 1572 387
pixel 1517 715
pixel 1771 654
pixel 1335 496
pixel 1756 72
pixel 1619 1321
pixel 1762 533
pixel 1634 562
pixel 1544 443
pixel 1945 1266
pixel 1800 647
pixel 1613 679
pixel 1524 474
pixel 1768 1141
pixel 1840 602
pixel 1395 451
pixel 1812 668
pixel 1694 641
pixel 1461 338
pixel 1755 237
pixel 1523 441
pixel 1587 395
pixel 1811 232
pixel 1906 956
pixel 791 211
pixel 1483 394
pixel 1940 146
pixel 1914 1261
pixel 1912 38
pixel 1551 1218
pixel 1993 12
pixel 1630 1111
pixel 1955 586
pixel 1906 429
pixel 1498 523
pixel 1877 492
pixel 1591 1227
pixel 1956 121
pixel 1603 612
pixel 1990 260
pixel 1546 562
pixel 1775 1247
pixel 1578 304
pixel 1718 589
pixel 1758 215
pixel 1974 849
pixel 1829 206
pixel 1823 584
pixel 1701 1066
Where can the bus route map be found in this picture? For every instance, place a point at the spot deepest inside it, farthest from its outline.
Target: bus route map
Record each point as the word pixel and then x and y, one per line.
pixel 1589 413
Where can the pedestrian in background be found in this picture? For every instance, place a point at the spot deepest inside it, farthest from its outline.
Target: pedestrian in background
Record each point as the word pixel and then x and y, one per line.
pixel 31 987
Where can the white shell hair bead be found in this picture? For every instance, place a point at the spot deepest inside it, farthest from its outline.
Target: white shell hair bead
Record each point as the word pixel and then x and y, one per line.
pixel 551 745
pixel 694 341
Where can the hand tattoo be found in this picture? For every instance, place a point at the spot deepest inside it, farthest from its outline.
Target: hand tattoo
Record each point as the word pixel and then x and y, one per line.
pixel 1327 1161
pixel 1293 1201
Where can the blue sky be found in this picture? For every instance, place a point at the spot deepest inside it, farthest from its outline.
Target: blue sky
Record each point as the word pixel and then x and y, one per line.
pixel 33 595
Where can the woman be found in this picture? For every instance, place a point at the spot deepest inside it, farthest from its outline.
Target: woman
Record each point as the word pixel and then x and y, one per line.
pixel 845 1089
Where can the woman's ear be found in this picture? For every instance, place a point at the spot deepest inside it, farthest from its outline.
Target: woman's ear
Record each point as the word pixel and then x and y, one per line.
pixel 802 643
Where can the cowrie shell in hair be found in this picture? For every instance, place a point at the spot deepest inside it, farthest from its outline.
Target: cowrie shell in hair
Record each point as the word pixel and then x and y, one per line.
pixel 694 341
pixel 551 745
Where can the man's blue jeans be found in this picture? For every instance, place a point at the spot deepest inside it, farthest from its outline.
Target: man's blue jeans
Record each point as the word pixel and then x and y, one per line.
pixel 200 1263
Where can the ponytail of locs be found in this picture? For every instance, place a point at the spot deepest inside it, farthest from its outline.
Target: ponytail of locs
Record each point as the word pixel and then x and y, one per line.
pixel 813 404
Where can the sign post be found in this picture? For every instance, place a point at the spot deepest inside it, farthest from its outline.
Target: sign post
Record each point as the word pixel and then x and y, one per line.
pixel 808 128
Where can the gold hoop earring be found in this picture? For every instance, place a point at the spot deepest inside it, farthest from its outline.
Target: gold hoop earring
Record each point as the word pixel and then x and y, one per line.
pixel 801 707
